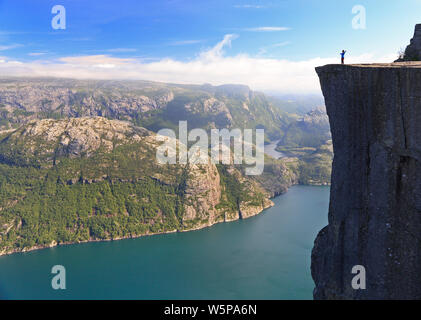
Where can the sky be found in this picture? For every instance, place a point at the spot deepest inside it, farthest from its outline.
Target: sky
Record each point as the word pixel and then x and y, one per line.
pixel 271 46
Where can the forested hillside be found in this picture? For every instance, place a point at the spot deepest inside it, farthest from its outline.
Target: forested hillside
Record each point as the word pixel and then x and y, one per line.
pixel 90 179
pixel 78 159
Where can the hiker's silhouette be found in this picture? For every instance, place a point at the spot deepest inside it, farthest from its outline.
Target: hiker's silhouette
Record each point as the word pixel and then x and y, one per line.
pixel 343 56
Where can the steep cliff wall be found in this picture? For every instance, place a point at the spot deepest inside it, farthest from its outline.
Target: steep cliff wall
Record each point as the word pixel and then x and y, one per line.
pixel 375 205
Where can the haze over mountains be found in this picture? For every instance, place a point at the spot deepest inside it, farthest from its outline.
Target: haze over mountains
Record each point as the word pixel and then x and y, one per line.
pixel 149 104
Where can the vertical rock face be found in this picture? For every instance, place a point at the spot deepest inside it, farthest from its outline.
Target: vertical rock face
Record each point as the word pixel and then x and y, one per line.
pixel 375 205
pixel 413 51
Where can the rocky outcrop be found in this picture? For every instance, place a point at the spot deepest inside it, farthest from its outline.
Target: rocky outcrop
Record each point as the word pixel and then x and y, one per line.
pixel 316 117
pixel 78 98
pixel 375 205
pixel 73 137
pixel 413 51
pixel 203 193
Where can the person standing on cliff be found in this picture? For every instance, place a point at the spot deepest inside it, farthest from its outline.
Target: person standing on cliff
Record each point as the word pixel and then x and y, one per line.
pixel 343 56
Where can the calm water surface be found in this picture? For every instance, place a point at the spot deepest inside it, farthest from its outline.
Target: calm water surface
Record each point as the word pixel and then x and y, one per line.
pixel 270 149
pixel 265 257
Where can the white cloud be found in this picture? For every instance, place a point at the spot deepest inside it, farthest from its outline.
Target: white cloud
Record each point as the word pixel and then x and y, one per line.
pixel 217 51
pixel 211 66
pixel 35 54
pixel 8 47
pixel 264 50
pixel 95 60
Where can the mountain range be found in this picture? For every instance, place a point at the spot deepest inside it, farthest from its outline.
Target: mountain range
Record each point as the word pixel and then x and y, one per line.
pixel 77 159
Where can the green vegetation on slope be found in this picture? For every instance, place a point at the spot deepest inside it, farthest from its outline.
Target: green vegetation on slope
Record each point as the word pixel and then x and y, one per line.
pixel 316 168
pixel 93 179
pixel 44 209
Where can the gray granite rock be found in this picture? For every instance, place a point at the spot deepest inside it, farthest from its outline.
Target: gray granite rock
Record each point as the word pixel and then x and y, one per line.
pixel 375 204
pixel 413 51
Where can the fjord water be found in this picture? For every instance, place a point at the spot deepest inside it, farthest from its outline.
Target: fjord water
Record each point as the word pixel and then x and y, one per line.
pixel 270 150
pixel 265 257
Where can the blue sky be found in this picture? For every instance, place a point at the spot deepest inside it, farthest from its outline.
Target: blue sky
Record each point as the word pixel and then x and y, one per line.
pixel 269 39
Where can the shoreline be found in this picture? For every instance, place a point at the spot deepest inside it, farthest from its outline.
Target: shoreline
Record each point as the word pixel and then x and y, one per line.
pixel 35 248
pixel 204 226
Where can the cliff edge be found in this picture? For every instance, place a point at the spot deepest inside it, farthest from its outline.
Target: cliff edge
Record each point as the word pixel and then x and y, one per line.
pixel 375 203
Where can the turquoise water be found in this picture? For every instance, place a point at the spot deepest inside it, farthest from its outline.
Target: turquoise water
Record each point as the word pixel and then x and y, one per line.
pixel 265 257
